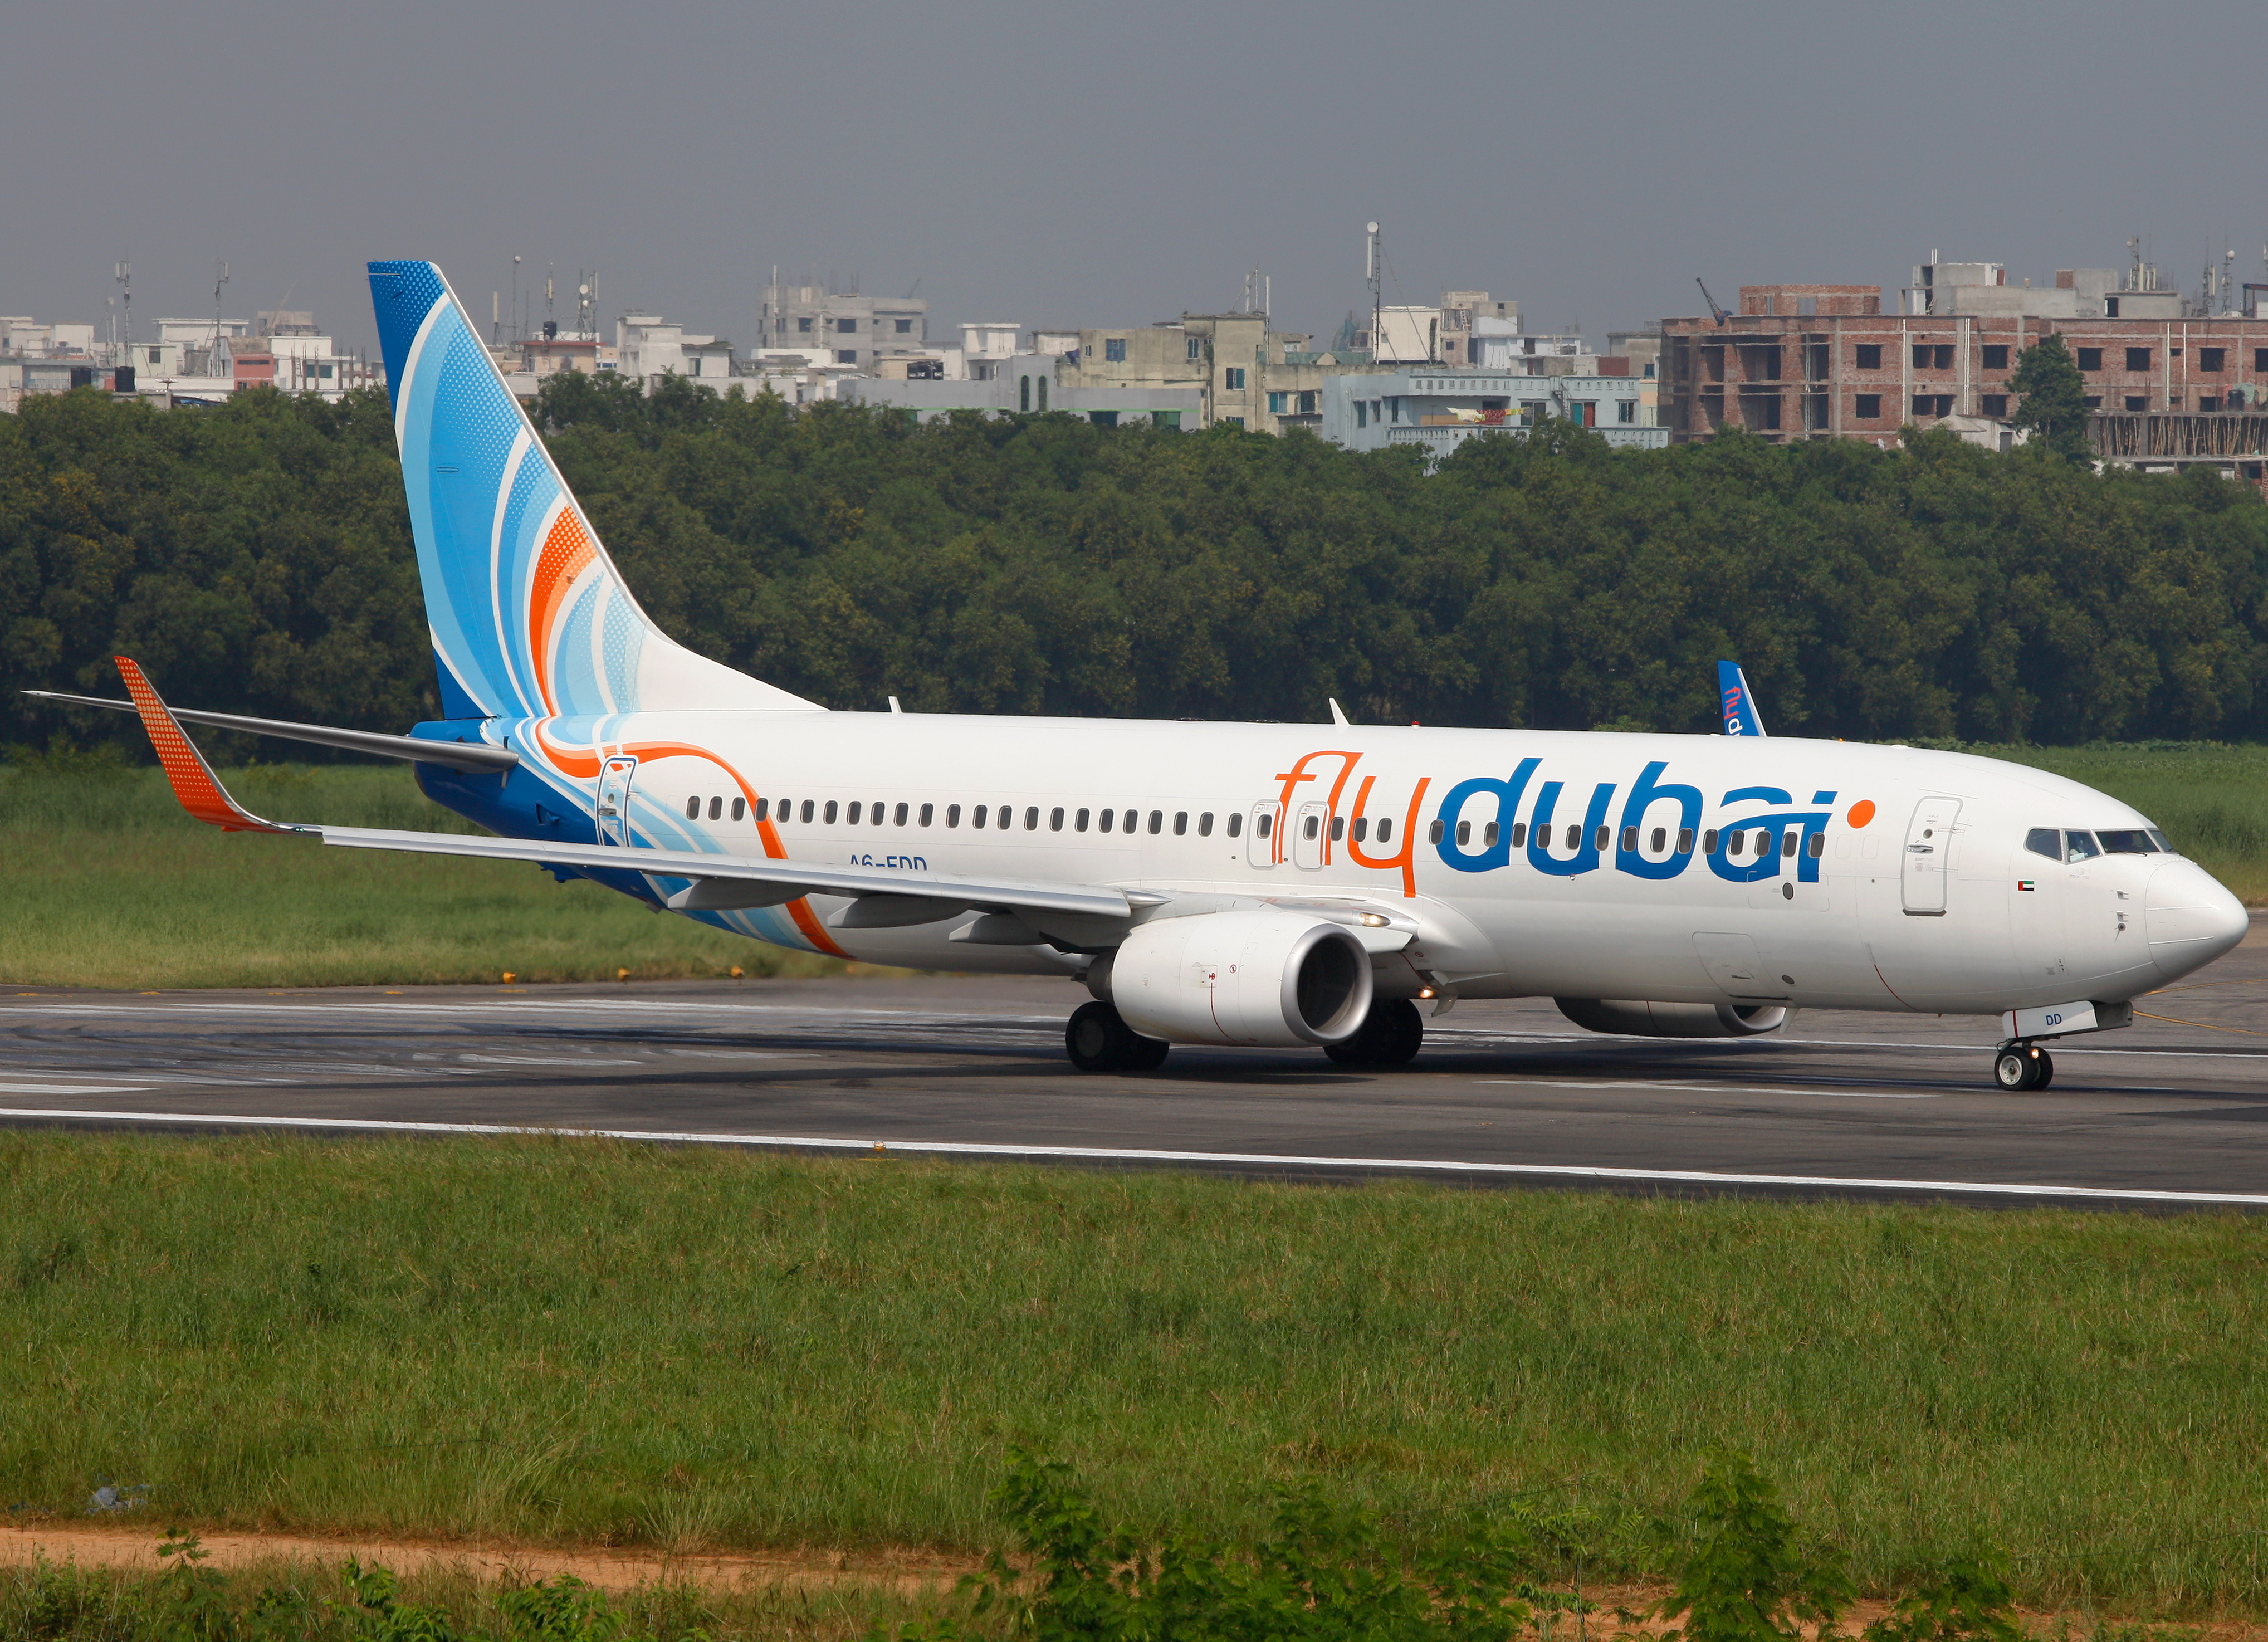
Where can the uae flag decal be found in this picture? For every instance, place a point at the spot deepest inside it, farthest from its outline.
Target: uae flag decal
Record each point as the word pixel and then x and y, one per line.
pixel 2023 883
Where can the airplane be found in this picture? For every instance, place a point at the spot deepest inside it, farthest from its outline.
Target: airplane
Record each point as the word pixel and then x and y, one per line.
pixel 1257 885
pixel 1738 700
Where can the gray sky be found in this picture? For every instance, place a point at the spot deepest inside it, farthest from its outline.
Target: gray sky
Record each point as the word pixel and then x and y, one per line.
pixel 1067 163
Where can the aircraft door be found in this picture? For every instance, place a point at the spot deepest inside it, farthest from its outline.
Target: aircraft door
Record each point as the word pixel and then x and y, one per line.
pixel 1262 844
pixel 611 807
pixel 1308 835
pixel 1929 846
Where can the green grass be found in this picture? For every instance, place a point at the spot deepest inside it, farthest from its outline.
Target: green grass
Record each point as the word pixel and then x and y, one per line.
pixel 104 882
pixel 570 1340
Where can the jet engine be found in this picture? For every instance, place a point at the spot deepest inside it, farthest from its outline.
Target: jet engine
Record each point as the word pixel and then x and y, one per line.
pixel 1638 1018
pixel 1261 978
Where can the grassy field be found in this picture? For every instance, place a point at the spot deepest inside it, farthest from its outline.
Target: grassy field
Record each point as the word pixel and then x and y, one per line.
pixel 574 1342
pixel 104 882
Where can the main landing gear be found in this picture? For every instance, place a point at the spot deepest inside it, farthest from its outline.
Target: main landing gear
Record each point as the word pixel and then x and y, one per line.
pixel 1389 1035
pixel 1098 1039
pixel 2023 1066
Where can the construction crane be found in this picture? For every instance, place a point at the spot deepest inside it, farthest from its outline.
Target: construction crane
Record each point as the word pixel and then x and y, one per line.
pixel 1719 314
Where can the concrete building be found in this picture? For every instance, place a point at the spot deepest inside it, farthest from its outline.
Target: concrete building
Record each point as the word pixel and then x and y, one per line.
pixel 647 346
pixel 1824 361
pixel 854 329
pixel 1033 384
pixel 1437 408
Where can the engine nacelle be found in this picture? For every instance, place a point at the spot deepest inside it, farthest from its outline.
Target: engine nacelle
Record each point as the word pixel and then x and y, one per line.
pixel 1259 979
pixel 1637 1018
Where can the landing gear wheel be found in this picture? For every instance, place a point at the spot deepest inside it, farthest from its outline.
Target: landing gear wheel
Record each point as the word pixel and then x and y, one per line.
pixel 1389 1035
pixel 2024 1067
pixel 1096 1039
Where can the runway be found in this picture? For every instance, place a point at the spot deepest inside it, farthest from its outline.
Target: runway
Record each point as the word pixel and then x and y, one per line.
pixel 2172 1112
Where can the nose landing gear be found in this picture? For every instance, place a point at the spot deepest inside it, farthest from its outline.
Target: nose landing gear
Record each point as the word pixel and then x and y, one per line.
pixel 2020 1066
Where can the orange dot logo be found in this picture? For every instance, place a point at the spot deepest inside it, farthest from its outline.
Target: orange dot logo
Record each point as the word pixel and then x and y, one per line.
pixel 1861 812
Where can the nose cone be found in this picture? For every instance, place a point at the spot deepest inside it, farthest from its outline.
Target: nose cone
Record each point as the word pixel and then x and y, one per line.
pixel 2191 919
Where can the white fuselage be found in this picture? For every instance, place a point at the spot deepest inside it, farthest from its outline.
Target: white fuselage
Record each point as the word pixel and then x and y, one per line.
pixel 1889 877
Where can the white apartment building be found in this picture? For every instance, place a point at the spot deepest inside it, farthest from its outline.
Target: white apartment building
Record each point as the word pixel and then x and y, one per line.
pixel 1437 408
pixel 852 329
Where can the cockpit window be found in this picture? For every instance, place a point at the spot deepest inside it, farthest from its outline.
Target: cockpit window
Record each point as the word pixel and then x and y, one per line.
pixel 2129 841
pixel 2081 846
pixel 2044 840
pixel 2163 845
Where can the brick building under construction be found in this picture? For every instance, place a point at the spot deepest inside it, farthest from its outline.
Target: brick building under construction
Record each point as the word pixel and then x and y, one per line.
pixel 2168 388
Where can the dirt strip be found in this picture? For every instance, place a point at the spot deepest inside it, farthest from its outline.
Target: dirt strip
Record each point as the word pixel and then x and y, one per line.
pixel 135 1550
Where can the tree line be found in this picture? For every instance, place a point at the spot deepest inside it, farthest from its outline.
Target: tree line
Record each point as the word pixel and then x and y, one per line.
pixel 255 557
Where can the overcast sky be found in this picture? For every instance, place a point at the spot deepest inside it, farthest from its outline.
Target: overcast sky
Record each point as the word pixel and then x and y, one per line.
pixel 1067 163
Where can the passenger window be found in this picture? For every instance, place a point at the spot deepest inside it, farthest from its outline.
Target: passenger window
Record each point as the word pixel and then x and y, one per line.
pixel 1181 824
pixel 1314 825
pixel 1764 842
pixel 1685 841
pixel 1235 824
pixel 740 809
pixel 1385 829
pixel 693 809
pixel 1630 838
pixel 716 809
pixel 2044 840
pixel 807 808
pixel 1464 833
pixel 1361 829
pixel 928 815
pixel 902 815
pixel 1005 817
pixel 1737 844
pixel 2080 846
pixel 1518 833
pixel 1031 817
pixel 953 815
pixel 881 814
pixel 850 816
pixel 1433 834
pixel 1709 842
pixel 830 812
pixel 1054 818
pixel 1265 825
pixel 1204 825
pixel 1575 836
pixel 1787 844
pixel 1078 821
pixel 1488 835
pixel 2131 841
pixel 1156 822
pixel 1102 822
pixel 977 816
pixel 763 810
pixel 1818 846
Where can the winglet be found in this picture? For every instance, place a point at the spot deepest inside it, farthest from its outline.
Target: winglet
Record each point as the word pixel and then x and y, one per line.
pixel 194 783
pixel 1738 704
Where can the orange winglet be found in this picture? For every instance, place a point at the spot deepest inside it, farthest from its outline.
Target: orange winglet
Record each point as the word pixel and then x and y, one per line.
pixel 194 783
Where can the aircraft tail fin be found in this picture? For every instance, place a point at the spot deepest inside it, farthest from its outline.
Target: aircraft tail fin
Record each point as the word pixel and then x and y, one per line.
pixel 529 617
pixel 1737 704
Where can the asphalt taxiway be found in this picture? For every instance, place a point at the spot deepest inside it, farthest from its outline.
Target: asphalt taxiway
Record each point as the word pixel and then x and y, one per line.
pixel 2172 1112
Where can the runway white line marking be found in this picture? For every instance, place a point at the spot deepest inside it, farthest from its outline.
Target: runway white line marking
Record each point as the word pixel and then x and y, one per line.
pixel 73 1088
pixel 1131 1154
pixel 1717 1088
pixel 547 1060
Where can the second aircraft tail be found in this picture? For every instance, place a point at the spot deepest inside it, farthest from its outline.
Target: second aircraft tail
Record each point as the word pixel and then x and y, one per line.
pixel 529 616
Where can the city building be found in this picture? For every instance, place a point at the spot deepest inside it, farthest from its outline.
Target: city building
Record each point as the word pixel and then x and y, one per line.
pixel 1437 408
pixel 647 346
pixel 1035 384
pixel 852 328
pixel 1825 361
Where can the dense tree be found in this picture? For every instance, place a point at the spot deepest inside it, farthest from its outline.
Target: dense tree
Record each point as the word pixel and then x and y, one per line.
pixel 2051 400
pixel 256 557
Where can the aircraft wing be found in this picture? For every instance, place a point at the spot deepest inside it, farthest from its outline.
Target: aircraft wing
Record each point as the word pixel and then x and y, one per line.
pixel 885 897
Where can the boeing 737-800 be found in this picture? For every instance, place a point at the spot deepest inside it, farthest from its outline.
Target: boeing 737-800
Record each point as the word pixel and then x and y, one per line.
pixel 1263 884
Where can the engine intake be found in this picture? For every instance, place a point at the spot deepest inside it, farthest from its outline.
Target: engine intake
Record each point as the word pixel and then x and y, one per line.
pixel 1259 979
pixel 1638 1018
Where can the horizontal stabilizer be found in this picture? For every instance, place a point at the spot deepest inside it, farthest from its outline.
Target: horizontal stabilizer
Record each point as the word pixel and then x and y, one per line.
pixel 474 757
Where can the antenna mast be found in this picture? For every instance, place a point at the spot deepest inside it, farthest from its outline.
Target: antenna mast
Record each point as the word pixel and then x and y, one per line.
pixel 212 360
pixel 1370 273
pixel 125 278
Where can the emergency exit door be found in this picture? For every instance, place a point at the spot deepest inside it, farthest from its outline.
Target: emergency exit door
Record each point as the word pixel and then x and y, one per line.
pixel 1929 846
